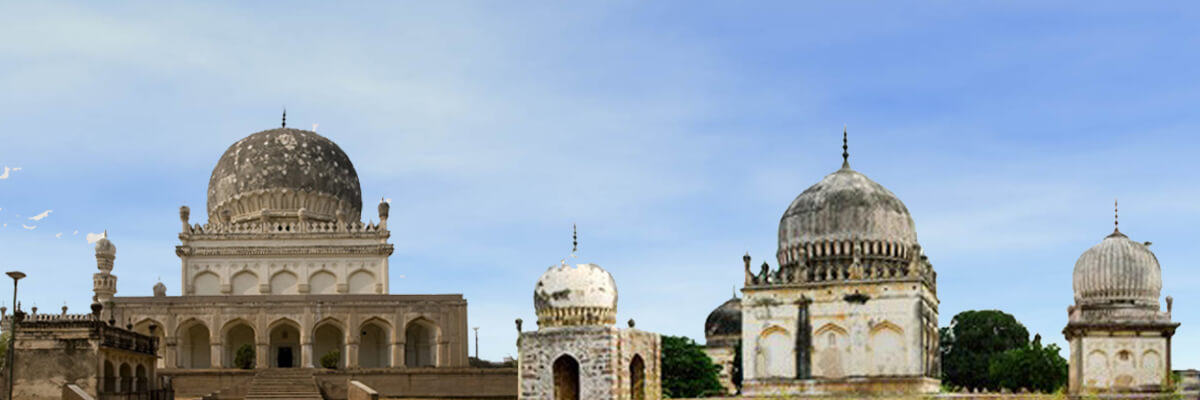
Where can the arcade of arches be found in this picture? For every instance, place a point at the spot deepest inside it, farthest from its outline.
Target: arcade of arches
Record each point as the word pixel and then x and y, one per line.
pixel 359 340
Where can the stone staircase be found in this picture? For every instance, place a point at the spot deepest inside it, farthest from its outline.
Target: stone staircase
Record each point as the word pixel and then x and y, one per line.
pixel 284 383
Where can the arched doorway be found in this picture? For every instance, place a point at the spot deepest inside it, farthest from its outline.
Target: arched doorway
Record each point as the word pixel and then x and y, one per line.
pixel 126 379
pixel 373 345
pixel 142 385
pixel 284 345
pixel 328 339
pixel 194 349
pixel 237 334
pixel 637 378
pixel 110 378
pixel 420 346
pixel 566 378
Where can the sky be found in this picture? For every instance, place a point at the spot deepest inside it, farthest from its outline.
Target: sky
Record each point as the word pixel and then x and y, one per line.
pixel 674 134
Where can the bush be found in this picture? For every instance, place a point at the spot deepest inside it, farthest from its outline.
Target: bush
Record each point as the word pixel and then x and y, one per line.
pixel 244 358
pixel 330 359
pixel 972 340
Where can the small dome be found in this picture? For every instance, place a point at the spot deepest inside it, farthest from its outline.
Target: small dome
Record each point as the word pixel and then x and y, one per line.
pixel 724 323
pixel 281 172
pixel 160 289
pixel 1118 271
pixel 584 294
pixel 846 205
pixel 104 247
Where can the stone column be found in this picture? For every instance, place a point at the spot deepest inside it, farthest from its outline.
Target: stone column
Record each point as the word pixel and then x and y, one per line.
pixel 352 355
pixel 262 352
pixel 215 355
pixel 397 354
pixel 172 352
pixel 306 349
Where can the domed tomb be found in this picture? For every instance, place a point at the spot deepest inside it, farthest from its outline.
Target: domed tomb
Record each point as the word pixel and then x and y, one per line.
pixel 1117 272
pixel 584 294
pixel 280 174
pixel 723 327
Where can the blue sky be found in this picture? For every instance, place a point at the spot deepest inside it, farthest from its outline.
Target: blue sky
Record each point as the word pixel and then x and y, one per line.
pixel 674 134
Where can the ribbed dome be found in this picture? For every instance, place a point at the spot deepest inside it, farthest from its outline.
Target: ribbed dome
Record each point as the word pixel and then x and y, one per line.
pixel 584 294
pixel 846 205
pixel 281 171
pixel 724 322
pixel 1117 271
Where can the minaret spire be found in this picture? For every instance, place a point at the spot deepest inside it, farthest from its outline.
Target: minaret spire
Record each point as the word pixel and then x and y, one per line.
pixel 574 239
pixel 845 149
pixel 284 117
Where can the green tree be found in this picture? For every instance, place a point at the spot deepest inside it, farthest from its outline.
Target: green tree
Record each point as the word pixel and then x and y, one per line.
pixel 736 374
pixel 686 370
pixel 1031 367
pixel 244 358
pixel 971 341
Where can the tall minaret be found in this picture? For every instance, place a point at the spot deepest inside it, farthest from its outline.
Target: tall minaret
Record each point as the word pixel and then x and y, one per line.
pixel 104 283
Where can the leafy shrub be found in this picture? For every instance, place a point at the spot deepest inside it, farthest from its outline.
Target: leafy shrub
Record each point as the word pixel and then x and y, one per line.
pixel 244 358
pixel 330 359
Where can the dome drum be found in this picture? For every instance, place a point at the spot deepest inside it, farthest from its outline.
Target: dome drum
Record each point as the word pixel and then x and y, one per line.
pixel 282 204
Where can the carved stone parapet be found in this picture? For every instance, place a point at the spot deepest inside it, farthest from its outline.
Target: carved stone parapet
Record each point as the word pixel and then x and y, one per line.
pixel 281 204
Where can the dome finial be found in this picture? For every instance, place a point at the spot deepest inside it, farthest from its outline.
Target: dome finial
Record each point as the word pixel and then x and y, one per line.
pixel 574 239
pixel 284 118
pixel 1116 222
pixel 845 148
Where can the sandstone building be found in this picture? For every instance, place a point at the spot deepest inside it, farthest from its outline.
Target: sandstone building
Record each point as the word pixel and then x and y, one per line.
pixel 285 266
pixel 576 352
pixel 1119 339
pixel 852 306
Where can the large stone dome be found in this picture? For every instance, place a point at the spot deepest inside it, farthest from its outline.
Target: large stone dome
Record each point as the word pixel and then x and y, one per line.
pixel 567 295
pixel 279 172
pixel 1118 272
pixel 846 205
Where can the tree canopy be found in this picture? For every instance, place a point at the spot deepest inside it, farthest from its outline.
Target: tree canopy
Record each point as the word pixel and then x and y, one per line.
pixel 1031 367
pixel 686 370
pixel 972 340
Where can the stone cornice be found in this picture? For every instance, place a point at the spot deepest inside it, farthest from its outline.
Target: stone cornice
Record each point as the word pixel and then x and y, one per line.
pixel 385 249
pixel 1077 329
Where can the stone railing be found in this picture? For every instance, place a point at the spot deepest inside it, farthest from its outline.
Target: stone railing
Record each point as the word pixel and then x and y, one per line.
pixel 287 227
pixel 126 340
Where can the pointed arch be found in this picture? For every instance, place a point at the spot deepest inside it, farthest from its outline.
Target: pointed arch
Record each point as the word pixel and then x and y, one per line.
pixel 322 282
pixel 329 337
pixel 637 378
pixel 776 353
pixel 283 343
pixel 830 327
pixel 284 282
pixel 236 332
pixel 194 339
pixel 374 343
pixel 160 332
pixel 888 349
pixel 421 337
pixel 361 281
pixel 566 377
pixel 206 283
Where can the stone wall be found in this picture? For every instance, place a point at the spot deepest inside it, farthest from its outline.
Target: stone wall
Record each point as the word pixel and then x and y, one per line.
pixel 605 357
pixel 723 357
pixel 190 383
pixel 1122 361
pixel 431 383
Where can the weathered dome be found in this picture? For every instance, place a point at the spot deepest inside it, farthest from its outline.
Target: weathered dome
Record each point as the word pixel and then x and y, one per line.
pixel 846 205
pixel 104 247
pixel 725 322
pixel 584 294
pixel 1118 271
pixel 280 172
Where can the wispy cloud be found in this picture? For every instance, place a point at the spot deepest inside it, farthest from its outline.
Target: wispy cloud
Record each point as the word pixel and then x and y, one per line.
pixel 76 232
pixel 27 227
pixel 93 237
pixel 58 235
pixel 7 170
pixel 41 216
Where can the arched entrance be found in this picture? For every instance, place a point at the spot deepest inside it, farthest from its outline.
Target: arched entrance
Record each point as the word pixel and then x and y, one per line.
pixel 110 378
pixel 160 333
pixel 126 379
pixel 285 345
pixel 142 384
pixel 373 349
pixel 328 339
pixel 237 334
pixel 194 348
pixel 420 344
pixel 637 378
pixel 566 378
